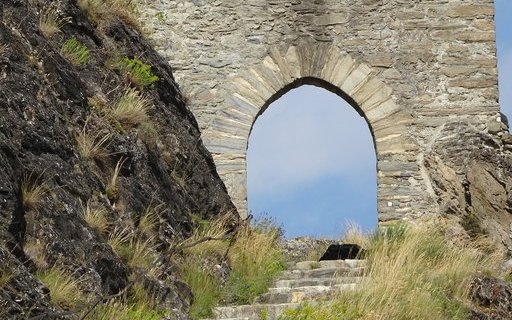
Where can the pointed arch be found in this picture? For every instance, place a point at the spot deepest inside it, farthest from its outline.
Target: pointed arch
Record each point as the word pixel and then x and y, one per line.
pixel 326 66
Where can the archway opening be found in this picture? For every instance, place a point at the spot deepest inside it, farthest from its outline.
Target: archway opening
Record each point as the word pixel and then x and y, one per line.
pixel 311 165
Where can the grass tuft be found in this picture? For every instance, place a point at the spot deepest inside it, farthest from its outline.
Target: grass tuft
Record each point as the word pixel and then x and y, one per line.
pixel 131 108
pixel 51 21
pixel 64 290
pixel 137 71
pixel 95 217
pixel 90 145
pixel 32 191
pixel 5 277
pixel 75 52
pixel 112 189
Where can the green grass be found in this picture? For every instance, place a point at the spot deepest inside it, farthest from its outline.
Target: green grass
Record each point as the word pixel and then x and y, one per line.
pixel 254 259
pixel 64 290
pixel 205 287
pixel 138 306
pixel 136 70
pixel 413 273
pixel 75 52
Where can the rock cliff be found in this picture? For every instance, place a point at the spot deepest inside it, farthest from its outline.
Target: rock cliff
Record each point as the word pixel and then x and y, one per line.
pixel 53 111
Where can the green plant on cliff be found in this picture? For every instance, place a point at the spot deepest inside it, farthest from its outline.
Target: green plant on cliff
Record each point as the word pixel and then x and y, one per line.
pixel 138 305
pixel 64 289
pixel 75 52
pixel 253 256
pixel 413 273
pixel 137 71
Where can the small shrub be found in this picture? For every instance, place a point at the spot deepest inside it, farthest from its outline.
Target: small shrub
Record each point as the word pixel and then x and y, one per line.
pixel 51 21
pixel 137 71
pixel 131 108
pixel 95 217
pixel 32 191
pixel 64 290
pixel 92 145
pixel 75 52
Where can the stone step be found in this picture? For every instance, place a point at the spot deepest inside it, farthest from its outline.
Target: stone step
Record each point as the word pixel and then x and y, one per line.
pixel 307 282
pixel 322 273
pixel 254 312
pixel 301 294
pixel 308 265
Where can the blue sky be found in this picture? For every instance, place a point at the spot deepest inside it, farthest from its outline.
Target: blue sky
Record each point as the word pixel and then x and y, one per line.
pixel 311 161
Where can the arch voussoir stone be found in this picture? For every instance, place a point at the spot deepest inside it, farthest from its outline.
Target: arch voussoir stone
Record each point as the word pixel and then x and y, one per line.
pixel 278 72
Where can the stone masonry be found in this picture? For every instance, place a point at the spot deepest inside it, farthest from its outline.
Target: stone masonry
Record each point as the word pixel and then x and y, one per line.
pixel 409 67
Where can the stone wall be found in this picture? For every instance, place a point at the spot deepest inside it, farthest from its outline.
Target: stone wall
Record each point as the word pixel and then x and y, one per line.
pixel 410 68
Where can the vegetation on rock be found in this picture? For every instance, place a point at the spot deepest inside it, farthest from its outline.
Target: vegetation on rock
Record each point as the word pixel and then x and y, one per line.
pixel 75 52
pixel 414 273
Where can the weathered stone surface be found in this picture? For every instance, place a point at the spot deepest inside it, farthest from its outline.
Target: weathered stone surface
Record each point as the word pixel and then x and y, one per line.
pixel 409 67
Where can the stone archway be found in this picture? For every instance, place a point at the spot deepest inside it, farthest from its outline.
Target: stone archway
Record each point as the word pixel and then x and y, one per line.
pixel 326 66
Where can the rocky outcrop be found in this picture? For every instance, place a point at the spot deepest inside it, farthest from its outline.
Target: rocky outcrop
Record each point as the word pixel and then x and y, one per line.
pixel 470 171
pixel 493 297
pixel 46 103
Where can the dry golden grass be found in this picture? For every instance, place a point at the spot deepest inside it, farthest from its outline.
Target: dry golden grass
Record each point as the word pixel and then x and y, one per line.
pixel 215 229
pixel 105 11
pixel 34 249
pixel 131 108
pixel 355 235
pixel 92 145
pixel 32 191
pixel 5 278
pixel 51 21
pixel 149 220
pixel 95 217
pixel 112 186
pixel 412 273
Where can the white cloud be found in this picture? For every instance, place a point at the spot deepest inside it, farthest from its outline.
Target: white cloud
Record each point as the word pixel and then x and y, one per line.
pixel 307 134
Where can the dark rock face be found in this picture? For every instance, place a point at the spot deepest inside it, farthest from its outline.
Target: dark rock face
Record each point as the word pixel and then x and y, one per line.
pixel 493 297
pixel 342 252
pixel 45 103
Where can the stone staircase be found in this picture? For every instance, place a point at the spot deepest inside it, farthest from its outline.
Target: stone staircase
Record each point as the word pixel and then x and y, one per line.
pixel 303 281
